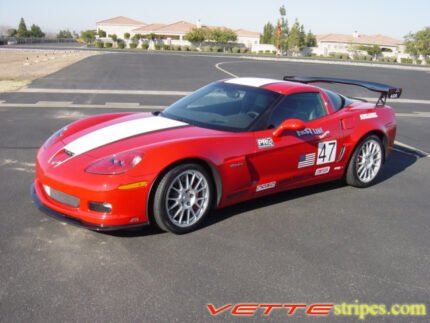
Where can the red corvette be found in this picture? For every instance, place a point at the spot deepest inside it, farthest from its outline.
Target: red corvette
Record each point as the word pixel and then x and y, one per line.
pixel 228 142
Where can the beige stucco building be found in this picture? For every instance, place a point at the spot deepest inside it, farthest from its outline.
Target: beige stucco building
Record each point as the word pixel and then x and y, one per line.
pixel 343 43
pixel 173 33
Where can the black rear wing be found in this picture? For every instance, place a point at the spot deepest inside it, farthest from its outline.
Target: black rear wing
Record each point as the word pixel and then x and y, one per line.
pixel 385 91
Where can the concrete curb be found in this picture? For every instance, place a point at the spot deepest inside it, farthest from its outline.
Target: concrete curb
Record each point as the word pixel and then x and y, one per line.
pixel 333 62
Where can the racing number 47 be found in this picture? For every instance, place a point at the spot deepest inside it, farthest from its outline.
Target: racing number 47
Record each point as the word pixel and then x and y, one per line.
pixel 326 152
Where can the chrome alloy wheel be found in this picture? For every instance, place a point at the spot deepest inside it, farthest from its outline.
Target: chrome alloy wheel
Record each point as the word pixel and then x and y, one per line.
pixel 187 198
pixel 369 160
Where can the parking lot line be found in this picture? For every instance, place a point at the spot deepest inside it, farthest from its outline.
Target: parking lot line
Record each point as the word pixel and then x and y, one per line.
pixel 217 66
pixel 104 91
pixel 417 151
pixel 63 104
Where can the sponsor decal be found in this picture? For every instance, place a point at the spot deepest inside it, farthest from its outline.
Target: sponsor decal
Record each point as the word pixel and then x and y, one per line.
pixel 396 94
pixel 326 152
pixel 265 186
pixel 371 115
pixel 309 132
pixel 306 160
pixel 322 171
pixel 265 143
pixel 325 134
pixel 338 168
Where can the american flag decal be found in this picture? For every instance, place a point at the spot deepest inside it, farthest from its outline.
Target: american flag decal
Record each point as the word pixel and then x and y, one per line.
pixel 306 160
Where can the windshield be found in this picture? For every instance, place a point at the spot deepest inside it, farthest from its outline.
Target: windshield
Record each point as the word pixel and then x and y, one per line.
pixel 222 106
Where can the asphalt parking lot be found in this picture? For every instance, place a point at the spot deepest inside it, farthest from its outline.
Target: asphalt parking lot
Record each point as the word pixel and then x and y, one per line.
pixel 325 244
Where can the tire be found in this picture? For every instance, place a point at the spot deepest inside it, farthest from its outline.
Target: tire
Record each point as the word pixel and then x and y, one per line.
pixel 183 198
pixel 365 163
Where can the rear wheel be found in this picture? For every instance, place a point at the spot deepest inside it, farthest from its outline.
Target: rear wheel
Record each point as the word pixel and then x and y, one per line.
pixel 366 162
pixel 183 198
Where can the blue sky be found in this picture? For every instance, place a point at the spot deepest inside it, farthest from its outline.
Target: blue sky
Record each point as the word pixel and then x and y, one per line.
pixel 392 18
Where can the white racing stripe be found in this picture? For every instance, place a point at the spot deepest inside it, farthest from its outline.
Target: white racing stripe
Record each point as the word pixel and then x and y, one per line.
pixel 120 131
pixel 252 81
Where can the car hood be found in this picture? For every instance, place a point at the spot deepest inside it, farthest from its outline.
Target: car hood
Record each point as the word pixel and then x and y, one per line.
pixel 133 131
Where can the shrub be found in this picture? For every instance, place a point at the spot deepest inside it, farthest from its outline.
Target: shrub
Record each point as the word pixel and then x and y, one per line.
pixel 216 49
pixel 176 47
pixel 243 50
pixel 274 52
pixel 99 44
pixel 235 50
pixel 193 48
pixel 166 47
pixel 406 60
pixel 145 46
pixel 121 44
pixel 157 46
pixel 185 48
pixel 207 49
pixel 267 51
pixel 108 45
pixel 387 59
pixel 133 45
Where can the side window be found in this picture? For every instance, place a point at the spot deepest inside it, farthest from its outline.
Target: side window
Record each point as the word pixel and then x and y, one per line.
pixel 304 106
pixel 336 100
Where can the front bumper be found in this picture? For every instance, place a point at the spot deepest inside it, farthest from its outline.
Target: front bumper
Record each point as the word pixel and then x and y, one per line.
pixel 83 217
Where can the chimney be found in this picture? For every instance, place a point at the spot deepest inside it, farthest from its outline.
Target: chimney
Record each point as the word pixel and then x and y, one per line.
pixel 198 23
pixel 355 34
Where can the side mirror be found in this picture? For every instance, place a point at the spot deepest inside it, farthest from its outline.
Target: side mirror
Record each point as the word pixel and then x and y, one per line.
pixel 289 124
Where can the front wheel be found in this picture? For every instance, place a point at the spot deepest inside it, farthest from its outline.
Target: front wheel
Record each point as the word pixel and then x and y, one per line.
pixel 365 163
pixel 183 198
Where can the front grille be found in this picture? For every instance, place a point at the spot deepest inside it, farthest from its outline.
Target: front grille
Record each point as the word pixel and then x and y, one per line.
pixel 61 197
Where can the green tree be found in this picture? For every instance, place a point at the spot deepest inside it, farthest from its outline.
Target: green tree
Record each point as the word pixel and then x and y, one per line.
pixel 373 51
pixel 22 29
pixel 101 33
pixel 311 40
pixel 223 35
pixel 197 35
pixel 12 32
pixel 114 37
pixel 419 43
pixel 268 35
pixel 64 34
pixel 36 32
pixel 295 38
pixel 302 37
pixel 136 38
pixel 127 36
pixel 283 24
pixel 88 35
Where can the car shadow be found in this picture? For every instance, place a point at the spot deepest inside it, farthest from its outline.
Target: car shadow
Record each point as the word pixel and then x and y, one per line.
pixel 400 159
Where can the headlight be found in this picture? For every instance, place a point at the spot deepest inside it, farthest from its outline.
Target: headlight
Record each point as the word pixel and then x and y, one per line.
pixel 116 164
pixel 54 137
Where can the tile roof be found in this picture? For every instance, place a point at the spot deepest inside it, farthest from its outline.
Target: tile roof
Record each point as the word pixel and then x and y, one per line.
pixel 246 33
pixel 177 28
pixel 361 39
pixel 121 20
pixel 148 28
pixel 180 27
